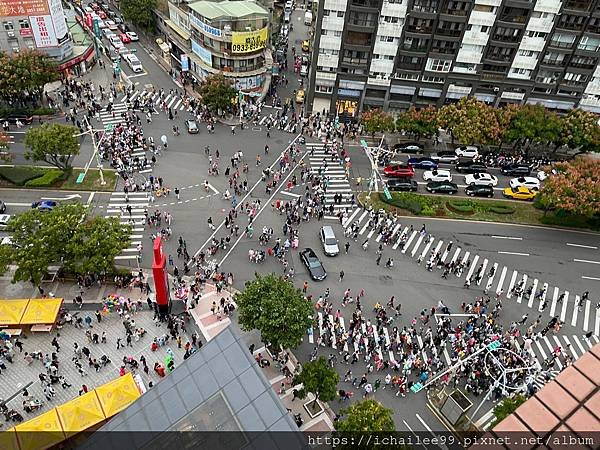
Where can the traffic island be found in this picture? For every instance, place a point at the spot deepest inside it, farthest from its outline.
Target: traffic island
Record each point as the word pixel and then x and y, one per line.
pixel 41 177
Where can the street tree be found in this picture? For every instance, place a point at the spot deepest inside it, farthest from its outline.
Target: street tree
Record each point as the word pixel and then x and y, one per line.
pixel 95 244
pixel 23 76
pixel 470 121
pixel 54 144
pixel 366 416
pixel 139 12
pixel 276 308
pixel 580 130
pixel 318 378
pixel 532 125
pixel 419 122
pixel 506 407
pixel 5 154
pixel 218 94
pixel 377 121
pixel 574 188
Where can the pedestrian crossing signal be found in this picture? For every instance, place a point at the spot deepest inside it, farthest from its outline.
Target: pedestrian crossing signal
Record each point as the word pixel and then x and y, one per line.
pixel 387 194
pixel 416 387
pixel 493 345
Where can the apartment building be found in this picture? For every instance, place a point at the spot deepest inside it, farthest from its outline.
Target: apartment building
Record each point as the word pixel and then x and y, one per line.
pixel 392 54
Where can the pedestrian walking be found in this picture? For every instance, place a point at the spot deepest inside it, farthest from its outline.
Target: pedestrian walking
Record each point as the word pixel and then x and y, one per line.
pixel 341 275
pixel 346 247
pixel 177 193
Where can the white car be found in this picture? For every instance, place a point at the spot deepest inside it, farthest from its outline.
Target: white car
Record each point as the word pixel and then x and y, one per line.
pixel 111 25
pixel 107 32
pixel 444 157
pixel 133 62
pixel 467 151
pixel 132 35
pixel 528 182
pixel 481 179
pixel 437 175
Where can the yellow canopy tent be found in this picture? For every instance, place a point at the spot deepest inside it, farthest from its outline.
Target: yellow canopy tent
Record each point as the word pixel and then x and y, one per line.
pixel 8 440
pixel 118 394
pixel 80 413
pixel 41 432
pixel 41 311
pixel 11 311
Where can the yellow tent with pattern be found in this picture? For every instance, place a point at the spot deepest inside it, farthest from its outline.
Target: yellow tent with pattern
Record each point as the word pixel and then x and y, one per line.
pixel 117 395
pixel 80 413
pixel 41 311
pixel 41 432
pixel 11 311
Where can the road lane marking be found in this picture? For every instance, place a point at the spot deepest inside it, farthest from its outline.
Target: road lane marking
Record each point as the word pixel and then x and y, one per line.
pixel 586 261
pixel 583 276
pixel 575 311
pixel 18 204
pixel 508 237
pixel 582 246
pixel 563 312
pixel 515 253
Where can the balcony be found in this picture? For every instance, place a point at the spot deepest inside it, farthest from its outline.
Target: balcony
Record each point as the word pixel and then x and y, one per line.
pixel 539 24
pixel 493 76
pixel 554 62
pixel 583 65
pixel 483 18
pixel 576 5
pixel 419 29
pixel 535 44
pixel 513 19
pixel 355 61
pixel 549 6
pixel 561 44
pixel 570 26
pixel 456 13
pixel 410 66
pixel 363 25
pixel 574 83
pixel 498 58
pixel 365 3
pixel 448 32
pixel 444 50
pixel 415 48
pixel 510 40
pixel 475 38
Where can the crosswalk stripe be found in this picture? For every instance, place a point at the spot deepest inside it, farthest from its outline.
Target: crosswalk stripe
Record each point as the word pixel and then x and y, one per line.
pixel 410 239
pixel 501 281
pixel 490 281
pixel 427 247
pixel 511 285
pixel 540 348
pixel 348 221
pixel 586 315
pixel 472 267
pixel 597 324
pixel 483 267
pixel 554 300
pixel 455 257
pixel 438 247
pixel 397 243
pixel 533 292
pixel 464 261
pixel 563 312
pixel 576 340
pixel 416 247
pixel 178 103
pixel 575 311
pixel 543 298
pixel 570 347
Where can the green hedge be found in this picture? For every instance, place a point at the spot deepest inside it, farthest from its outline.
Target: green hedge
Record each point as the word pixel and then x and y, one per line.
pixel 564 219
pixel 461 206
pixel 502 209
pixel 48 179
pixel 19 175
pixel 5 111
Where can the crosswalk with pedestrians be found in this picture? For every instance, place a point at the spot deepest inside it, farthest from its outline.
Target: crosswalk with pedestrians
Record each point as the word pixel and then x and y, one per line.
pixel 118 207
pixel 173 101
pixel 334 172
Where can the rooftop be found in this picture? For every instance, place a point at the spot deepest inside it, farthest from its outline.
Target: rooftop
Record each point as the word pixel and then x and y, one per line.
pixel 228 9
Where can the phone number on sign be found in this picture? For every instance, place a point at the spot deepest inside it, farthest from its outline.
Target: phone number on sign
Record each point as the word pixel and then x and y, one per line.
pixel 248 46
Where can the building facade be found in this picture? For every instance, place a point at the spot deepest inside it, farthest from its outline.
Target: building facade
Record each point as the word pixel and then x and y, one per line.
pixel 229 38
pixel 392 54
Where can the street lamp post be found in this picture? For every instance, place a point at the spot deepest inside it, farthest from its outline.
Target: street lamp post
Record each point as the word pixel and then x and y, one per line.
pixel 96 153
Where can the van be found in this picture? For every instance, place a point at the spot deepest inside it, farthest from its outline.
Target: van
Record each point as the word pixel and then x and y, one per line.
pixel 329 241
pixel 286 17
pixel 133 62
pixel 308 18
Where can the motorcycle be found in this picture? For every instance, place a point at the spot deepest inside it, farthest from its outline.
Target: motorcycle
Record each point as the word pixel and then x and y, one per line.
pixel 32 405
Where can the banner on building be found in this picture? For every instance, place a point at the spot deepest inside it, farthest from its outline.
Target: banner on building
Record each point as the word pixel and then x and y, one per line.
pixel 249 41
pixel 204 26
pixel 58 19
pixel 249 83
pixel 185 62
pixel 43 31
pixel 11 8
pixel 204 54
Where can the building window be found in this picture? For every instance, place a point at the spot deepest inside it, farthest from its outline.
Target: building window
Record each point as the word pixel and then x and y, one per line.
pixel 337 33
pixel 23 24
pixel 8 26
pixel 326 12
pixel 386 38
pixel 29 44
pixel 520 71
pixel 439 65
pixel 485 29
pixel 15 48
pixel 324 89
pixel 428 79
pixel 340 13
pixel 526 53
pixel 323 32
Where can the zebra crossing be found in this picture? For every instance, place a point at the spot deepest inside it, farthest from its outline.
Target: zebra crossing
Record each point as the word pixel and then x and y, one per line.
pixel 117 208
pixel 113 116
pixel 334 171
pixel 540 296
pixel 173 101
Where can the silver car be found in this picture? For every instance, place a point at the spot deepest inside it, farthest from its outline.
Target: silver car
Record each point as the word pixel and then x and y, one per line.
pixel 329 241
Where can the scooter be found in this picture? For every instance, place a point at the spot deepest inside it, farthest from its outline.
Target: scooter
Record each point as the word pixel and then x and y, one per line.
pixel 32 405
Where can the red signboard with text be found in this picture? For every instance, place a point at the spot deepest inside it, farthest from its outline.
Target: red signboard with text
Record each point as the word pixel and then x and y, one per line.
pixel 10 8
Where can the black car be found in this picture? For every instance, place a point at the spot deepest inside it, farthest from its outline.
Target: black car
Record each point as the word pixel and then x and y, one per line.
pixel 444 187
pixel 25 120
pixel 409 147
pixel 313 264
pixel 402 184
pixel 479 191
pixel 2 207
pixel 471 167
pixel 516 169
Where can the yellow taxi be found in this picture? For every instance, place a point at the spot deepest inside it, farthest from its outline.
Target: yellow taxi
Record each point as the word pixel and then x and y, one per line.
pixel 300 96
pixel 305 46
pixel 519 193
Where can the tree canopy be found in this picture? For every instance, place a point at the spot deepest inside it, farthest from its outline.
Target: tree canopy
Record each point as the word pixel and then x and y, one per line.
pixel 419 123
pixel 319 379
pixel 377 121
pixel 580 129
pixel 24 74
pixel 139 12
pixel 217 94
pixel 54 144
pixel 276 308
pixel 532 124
pixel 575 188
pixel 60 236
pixel 470 121
pixel 367 416
pixel 506 407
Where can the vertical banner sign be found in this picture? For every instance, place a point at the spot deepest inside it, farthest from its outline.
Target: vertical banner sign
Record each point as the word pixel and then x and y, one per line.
pixel 43 31
pixel 89 21
pixel 249 41
pixel 185 62
pixel 97 29
pixel 58 19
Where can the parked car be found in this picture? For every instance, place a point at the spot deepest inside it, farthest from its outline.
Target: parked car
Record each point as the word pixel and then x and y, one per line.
pixel 132 35
pixel 467 151
pixel 516 169
pixel 409 147
pixel 191 126
pixel 443 187
pixel 124 38
pixel 470 167
pixel 329 241
pixel 479 190
pixel 437 175
pixel 399 171
pixel 402 184
pixel 314 266
pixel 444 156
pixel 44 205
pixel 519 193
pixel 422 163
pixel 528 182
pixel 481 179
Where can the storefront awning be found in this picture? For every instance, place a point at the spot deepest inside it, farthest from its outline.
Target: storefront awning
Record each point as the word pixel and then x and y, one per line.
pixel 118 394
pixel 41 432
pixel 11 311
pixel 551 103
pixel 456 95
pixel 487 98
pixel 80 413
pixel 41 311
pixel 405 90
pixel 430 92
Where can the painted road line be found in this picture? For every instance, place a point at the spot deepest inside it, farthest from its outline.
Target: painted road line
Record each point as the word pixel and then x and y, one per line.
pixel 583 276
pixel 483 267
pixel 586 261
pixel 291 194
pixel 447 357
pixel 18 204
pixel 349 220
pixel 490 281
pixel 426 249
pixel 586 315
pixel 417 245
pixel 410 239
pixel 508 237
pixel 320 314
pixel 514 253
pixel 501 281
pixel 533 292
pixel 511 285
pixel 576 340
pixel 575 311
pixel 455 256
pixel 541 349
pixel 597 323
pixel 472 267
pixel 571 348
pixel 592 247
pixel 543 298
pixel 563 312
pixel 554 300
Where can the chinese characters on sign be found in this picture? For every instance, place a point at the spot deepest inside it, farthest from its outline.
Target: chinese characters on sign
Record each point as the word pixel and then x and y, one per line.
pixel 204 26
pixel 9 8
pixel 246 42
pixel 43 31
pixel 58 18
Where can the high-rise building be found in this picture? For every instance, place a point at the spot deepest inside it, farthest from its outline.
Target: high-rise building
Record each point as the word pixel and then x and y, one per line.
pixel 392 54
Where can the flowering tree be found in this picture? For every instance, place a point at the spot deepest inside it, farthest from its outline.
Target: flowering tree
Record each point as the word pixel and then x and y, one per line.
pixel 580 129
pixel 470 121
pixel 575 188
pixel 5 155
pixel 419 123
pixel 377 121
pixel 24 74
